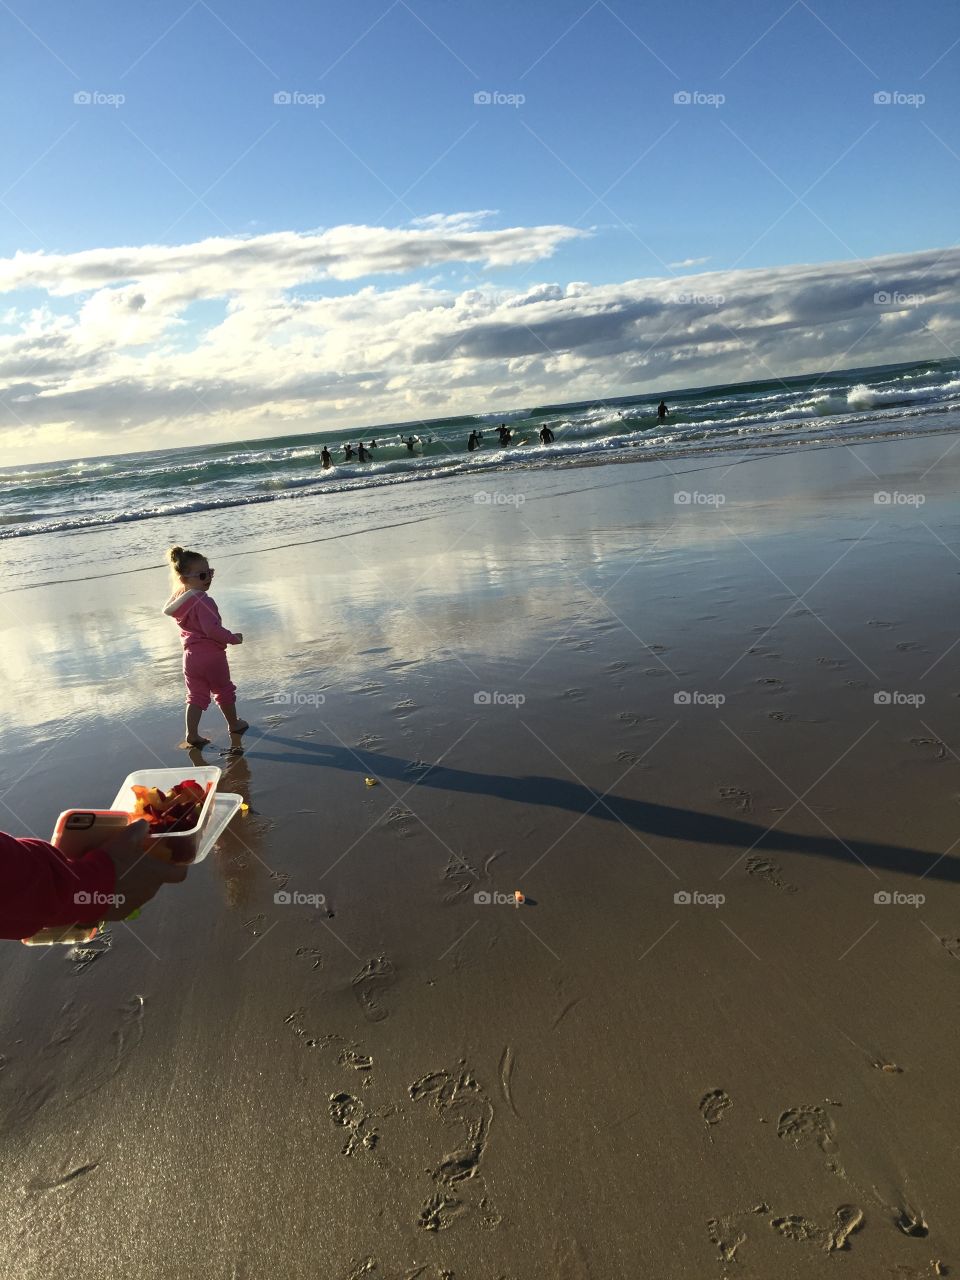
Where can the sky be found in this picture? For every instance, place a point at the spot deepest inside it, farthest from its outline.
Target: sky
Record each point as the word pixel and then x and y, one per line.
pixel 222 222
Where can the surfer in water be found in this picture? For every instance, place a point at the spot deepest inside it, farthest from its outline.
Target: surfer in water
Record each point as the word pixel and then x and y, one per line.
pixel 546 435
pixel 473 442
pixel 362 455
pixel 662 410
pixel 347 452
pixel 325 459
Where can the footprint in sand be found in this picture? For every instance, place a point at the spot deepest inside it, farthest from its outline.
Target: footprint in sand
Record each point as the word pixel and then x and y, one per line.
pixel 808 1124
pixel 911 1222
pixel 368 985
pixel 460 876
pixel 635 718
pixel 352 1057
pixel 941 747
pixel 757 865
pixel 876 622
pixel 726 1236
pixel 834 664
pixel 349 1113
pixel 574 695
pixel 404 707
pixel 782 717
pixel 369 741
pixel 614 668
pixel 952 945
pixel 629 757
pixel 714 1104
pixel 848 1218
pixel 770 682
pixel 659 672
pixel 400 821
pixel 857 684
pixel 461 1103
pixel 908 646
pixel 736 796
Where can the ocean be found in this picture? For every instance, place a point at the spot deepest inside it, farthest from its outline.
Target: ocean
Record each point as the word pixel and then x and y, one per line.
pixel 174 486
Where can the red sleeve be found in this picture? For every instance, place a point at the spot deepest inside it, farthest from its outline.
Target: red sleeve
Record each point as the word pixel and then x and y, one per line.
pixel 208 621
pixel 39 886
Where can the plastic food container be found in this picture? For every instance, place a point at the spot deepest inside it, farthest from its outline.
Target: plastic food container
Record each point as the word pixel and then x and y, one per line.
pixel 174 846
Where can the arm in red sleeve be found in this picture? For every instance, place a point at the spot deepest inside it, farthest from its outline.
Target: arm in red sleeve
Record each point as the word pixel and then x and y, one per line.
pixel 39 886
pixel 208 619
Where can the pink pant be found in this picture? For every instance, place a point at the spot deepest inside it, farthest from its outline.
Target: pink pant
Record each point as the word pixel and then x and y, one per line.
pixel 206 671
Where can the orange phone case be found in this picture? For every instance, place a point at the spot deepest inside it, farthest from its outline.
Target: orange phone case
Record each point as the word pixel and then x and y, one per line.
pixel 80 830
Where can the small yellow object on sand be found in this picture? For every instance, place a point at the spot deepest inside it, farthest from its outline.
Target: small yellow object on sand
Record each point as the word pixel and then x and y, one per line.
pixel 371 782
pixel 244 808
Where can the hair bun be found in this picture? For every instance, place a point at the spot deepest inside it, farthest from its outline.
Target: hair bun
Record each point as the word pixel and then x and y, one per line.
pixel 174 552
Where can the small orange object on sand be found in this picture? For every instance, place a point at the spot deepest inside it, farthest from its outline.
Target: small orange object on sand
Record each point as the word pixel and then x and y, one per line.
pixel 518 898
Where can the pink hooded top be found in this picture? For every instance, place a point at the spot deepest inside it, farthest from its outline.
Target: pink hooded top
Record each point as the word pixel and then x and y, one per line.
pixel 198 618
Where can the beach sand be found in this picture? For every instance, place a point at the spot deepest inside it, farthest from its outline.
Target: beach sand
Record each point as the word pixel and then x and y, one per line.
pixel 584 690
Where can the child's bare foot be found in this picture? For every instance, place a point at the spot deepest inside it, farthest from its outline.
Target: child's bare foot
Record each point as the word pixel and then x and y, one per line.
pixel 239 728
pixel 196 742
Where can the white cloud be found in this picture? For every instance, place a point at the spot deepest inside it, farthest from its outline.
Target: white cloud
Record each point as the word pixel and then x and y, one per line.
pixel 130 367
pixel 689 262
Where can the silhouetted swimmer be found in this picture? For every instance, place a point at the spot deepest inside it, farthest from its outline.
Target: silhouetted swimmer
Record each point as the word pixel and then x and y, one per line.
pixel 362 455
pixel 347 452
pixel 473 442
pixel 546 435
pixel 372 444
pixel 410 443
pixel 662 410
pixel 325 459
pixel 505 435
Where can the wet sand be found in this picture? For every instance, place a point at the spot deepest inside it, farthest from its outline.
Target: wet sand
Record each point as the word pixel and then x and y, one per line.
pixel 405 1080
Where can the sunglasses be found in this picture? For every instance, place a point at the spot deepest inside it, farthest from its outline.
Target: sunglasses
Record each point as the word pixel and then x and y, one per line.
pixel 203 575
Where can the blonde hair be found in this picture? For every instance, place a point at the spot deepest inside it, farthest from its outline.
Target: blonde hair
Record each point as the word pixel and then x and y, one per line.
pixel 181 560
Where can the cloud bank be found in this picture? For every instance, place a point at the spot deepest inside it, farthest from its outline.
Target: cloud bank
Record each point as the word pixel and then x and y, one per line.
pixel 132 348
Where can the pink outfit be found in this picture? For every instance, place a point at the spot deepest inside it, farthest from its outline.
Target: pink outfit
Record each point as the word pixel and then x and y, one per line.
pixel 205 640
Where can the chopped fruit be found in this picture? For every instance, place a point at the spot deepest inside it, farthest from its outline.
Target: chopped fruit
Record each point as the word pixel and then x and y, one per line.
pixel 175 810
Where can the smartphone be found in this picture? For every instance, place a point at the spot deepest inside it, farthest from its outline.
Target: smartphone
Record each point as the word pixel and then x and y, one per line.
pixel 80 830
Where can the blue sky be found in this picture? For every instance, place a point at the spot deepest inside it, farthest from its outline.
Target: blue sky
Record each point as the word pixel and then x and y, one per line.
pixel 198 148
